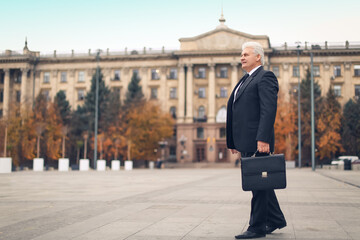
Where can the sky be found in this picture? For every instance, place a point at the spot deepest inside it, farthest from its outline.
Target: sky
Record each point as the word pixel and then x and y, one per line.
pixel 64 25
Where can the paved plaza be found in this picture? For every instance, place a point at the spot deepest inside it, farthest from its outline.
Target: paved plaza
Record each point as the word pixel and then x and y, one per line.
pixel 171 204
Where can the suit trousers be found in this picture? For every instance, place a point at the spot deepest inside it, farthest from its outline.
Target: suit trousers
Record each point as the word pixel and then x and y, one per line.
pixel 265 209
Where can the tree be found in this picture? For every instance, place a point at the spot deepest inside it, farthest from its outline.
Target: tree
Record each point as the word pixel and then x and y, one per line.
pixel 14 138
pixel 28 137
pixel 305 101
pixel 329 126
pixel 350 131
pixel 90 98
pixel 134 95
pixel 83 119
pixel 63 106
pixel 286 127
pixel 147 125
pixel 53 134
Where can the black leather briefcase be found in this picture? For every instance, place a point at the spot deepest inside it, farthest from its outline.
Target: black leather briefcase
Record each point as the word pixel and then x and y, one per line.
pixel 263 173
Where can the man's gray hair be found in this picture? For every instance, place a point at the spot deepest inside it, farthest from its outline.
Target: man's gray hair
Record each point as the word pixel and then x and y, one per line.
pixel 257 50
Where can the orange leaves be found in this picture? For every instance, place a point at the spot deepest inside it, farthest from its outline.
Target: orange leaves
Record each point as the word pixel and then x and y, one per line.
pixel 147 125
pixel 328 127
pixel 285 127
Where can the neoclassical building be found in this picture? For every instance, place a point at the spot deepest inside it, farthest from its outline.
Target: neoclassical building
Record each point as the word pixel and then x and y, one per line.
pixel 193 83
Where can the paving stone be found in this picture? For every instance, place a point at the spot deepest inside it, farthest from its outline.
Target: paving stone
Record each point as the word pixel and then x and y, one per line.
pixel 184 204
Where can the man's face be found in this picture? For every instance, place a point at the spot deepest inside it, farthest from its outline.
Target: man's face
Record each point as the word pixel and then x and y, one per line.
pixel 249 60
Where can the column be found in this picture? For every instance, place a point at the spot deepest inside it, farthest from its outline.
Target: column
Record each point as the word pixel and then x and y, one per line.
pixel 125 79
pixel 54 84
pixel 348 89
pixel 24 101
pixel 189 94
pixel 143 73
pixel 284 85
pixel 6 92
pixel 211 95
pixel 181 95
pixel 163 90
pixel 325 80
pixel 234 75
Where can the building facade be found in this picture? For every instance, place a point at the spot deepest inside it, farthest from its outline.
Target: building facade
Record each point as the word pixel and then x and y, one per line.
pixel 192 83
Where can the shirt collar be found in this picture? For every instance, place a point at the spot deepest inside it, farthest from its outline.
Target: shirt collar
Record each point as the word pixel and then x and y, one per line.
pixel 253 70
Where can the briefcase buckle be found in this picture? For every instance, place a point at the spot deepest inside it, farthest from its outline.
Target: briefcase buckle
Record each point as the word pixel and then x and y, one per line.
pixel 264 174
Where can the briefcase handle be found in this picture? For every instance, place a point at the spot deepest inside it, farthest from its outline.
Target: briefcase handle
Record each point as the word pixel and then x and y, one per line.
pixel 257 150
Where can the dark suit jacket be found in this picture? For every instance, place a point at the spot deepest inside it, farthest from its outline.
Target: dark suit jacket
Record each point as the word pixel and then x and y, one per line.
pixel 251 117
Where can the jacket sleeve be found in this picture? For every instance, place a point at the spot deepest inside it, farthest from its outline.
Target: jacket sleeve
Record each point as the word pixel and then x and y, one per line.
pixel 267 88
pixel 229 132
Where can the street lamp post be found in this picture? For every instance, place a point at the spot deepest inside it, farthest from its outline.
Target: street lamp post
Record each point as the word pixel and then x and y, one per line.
pixel 299 109
pixel 312 115
pixel 182 141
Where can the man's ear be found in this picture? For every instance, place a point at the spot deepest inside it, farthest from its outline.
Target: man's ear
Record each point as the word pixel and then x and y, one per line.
pixel 258 58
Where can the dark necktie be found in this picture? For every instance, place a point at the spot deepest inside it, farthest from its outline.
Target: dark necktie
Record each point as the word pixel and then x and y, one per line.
pixel 241 84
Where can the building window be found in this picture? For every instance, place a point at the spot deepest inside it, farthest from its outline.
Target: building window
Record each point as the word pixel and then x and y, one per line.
pixel 276 71
pixel 172 151
pixel 173 73
pixel 18 96
pixel 136 73
pixel 18 77
pixel 200 133
pixel 357 91
pixel 173 112
pixel 1 95
pixel 116 75
pixel 222 132
pixel 63 77
pixel 173 93
pixel 201 112
pixel 81 94
pixel 296 71
pixel 155 74
pixel 337 90
pixel 316 71
pixel 201 72
pixel 81 76
pixel 337 71
pixel 154 93
pixel 223 92
pixel 202 92
pixel 2 76
pixel 46 77
pixel 357 70
pixel 221 115
pixel 1 113
pixel 223 72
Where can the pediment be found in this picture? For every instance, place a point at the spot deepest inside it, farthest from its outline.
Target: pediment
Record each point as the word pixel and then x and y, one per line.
pixel 222 38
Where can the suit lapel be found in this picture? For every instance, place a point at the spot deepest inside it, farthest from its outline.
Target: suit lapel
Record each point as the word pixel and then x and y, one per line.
pixel 246 83
pixel 232 96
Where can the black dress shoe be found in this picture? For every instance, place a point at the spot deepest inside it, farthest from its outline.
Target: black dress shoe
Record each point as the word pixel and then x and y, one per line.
pixel 249 235
pixel 270 229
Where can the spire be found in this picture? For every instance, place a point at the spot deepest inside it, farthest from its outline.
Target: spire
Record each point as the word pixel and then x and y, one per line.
pixel 222 20
pixel 26 50
pixel 26 47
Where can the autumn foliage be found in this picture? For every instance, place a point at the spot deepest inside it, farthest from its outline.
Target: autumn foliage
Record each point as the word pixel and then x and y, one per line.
pixel 285 127
pixel 328 127
pixel 147 125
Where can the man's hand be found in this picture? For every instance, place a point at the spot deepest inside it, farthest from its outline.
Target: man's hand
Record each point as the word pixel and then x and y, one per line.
pixel 263 147
pixel 234 151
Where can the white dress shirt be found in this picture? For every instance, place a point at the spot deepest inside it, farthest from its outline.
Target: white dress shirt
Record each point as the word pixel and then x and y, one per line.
pixel 250 73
